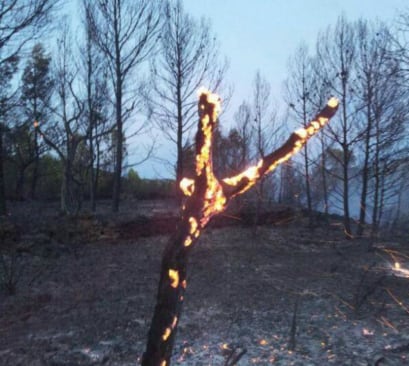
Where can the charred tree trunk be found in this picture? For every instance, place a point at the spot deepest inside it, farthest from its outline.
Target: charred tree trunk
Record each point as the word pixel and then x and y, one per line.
pixel 377 182
pixel 324 178
pixel 36 162
pixel 365 169
pixel 118 151
pixel 3 207
pixel 306 162
pixel 346 159
pixel 179 135
pixel 206 197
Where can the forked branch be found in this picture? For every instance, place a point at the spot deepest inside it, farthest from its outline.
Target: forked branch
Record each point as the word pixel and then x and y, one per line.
pixel 206 197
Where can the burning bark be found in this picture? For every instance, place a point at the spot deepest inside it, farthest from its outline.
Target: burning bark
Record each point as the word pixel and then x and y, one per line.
pixel 206 197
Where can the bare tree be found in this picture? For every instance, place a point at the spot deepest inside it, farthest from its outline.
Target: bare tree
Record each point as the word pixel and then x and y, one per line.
pixel 375 71
pixel 20 21
pixel 36 92
pixel 7 100
pixel 336 55
pixel 97 102
pixel 67 134
pixel 265 128
pixel 300 88
pixel 206 197
pixel 188 58
pixel 242 120
pixel 126 32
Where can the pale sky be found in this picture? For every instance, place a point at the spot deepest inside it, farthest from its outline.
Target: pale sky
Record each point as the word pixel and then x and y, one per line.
pixel 263 34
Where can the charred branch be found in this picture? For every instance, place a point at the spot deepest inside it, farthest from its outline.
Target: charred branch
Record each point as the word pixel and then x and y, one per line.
pixel 206 197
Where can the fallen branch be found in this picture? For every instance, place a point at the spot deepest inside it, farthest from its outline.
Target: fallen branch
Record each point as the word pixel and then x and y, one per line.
pixel 206 197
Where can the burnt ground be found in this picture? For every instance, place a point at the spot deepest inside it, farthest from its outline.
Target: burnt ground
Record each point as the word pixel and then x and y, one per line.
pixel 284 293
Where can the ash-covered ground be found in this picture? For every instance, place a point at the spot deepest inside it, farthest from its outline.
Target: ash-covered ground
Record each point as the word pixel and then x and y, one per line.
pixel 282 294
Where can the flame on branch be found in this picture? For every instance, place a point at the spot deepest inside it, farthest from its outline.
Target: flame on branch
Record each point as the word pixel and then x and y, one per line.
pixel 206 196
pixel 222 191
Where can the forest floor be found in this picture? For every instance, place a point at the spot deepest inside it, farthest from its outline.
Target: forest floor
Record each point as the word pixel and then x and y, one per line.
pixel 285 294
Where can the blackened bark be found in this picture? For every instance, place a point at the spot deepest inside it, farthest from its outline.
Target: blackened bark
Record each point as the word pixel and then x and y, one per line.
pixel 365 171
pixel 36 163
pixel 207 196
pixel 118 115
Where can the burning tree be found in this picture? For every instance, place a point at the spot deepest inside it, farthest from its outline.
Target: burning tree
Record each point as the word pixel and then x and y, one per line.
pixel 207 196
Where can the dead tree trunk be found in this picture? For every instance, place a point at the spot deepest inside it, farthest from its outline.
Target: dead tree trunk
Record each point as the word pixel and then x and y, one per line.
pixel 206 197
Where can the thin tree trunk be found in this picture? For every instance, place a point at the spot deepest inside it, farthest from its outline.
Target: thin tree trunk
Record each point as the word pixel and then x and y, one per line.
pixel 118 115
pixel 91 121
pixel 64 193
pixel 365 171
pixel 346 158
pixel 118 168
pixel 3 206
pixel 179 142
pixel 97 172
pixel 92 175
pixel 36 162
pixel 306 162
pixel 324 178
pixel 377 182
pixel 382 200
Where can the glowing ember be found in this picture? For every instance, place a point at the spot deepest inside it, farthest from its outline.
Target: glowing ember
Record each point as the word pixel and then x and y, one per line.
pixel 193 224
pixel 367 332
pixel 188 241
pixel 399 271
pixel 36 124
pixel 184 283
pixel 163 363
pixel 166 334
pixel 168 330
pixel 174 278
pixel 263 342
pixel 225 346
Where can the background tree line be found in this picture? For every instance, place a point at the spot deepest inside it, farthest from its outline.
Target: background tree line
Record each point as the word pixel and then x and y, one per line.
pixel 70 103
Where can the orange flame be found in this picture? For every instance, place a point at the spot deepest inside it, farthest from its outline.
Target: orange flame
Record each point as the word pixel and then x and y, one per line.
pixel 193 231
pixel 188 241
pixel 174 278
pixel 300 137
pixel 168 330
pixel 166 335
pixel 193 225
pixel 36 124
pixel 187 186
pixel 215 199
